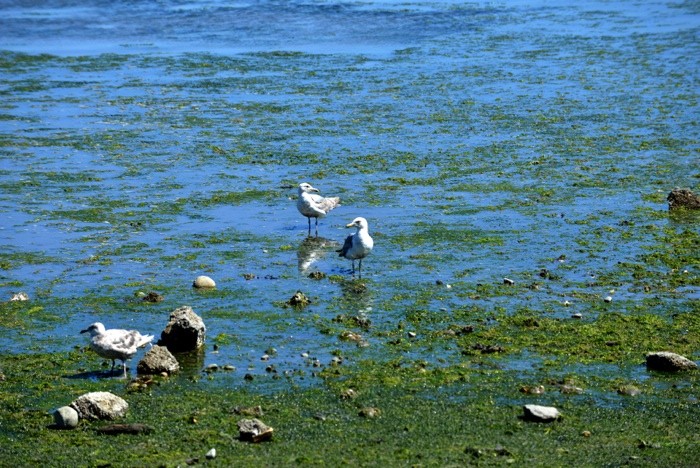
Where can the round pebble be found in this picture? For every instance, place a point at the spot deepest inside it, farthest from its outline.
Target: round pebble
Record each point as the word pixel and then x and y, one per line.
pixel 203 282
pixel 65 417
pixel 608 299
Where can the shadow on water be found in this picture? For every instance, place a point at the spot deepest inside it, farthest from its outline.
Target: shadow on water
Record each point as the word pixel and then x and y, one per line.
pixel 96 375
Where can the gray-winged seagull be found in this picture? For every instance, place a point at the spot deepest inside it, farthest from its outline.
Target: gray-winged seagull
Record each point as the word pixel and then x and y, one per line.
pixel 116 344
pixel 357 246
pixel 312 205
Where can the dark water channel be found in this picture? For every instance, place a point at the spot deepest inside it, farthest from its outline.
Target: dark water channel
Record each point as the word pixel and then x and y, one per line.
pixel 145 143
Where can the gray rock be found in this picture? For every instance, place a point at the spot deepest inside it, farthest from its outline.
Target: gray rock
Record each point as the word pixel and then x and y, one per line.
pixel 100 405
pixel 254 430
pixel 683 198
pixel 185 331
pixel 669 362
pixel 156 361
pixel 65 417
pixel 540 413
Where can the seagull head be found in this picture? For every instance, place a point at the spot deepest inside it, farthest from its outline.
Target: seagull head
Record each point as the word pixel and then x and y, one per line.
pixel 94 329
pixel 304 187
pixel 359 223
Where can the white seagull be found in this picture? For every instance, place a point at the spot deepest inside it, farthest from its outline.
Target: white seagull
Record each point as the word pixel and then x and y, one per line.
pixel 357 246
pixel 116 344
pixel 312 205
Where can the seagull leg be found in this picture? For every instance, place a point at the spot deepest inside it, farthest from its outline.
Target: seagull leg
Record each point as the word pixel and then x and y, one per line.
pixel 360 274
pixel 309 218
pixel 316 226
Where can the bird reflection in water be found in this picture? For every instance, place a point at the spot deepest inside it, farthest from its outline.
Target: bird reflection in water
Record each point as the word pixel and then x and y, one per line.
pixel 311 250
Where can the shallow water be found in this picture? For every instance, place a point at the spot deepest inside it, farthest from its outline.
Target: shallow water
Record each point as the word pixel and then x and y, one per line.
pixel 146 143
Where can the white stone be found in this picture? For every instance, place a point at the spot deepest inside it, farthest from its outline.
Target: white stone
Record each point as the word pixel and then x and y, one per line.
pixel 211 454
pixel 541 413
pixel 66 417
pixel 204 282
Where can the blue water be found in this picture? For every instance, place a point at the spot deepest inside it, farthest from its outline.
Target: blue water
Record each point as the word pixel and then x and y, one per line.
pixel 536 128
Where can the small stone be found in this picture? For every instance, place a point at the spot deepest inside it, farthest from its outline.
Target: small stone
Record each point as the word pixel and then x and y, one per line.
pixel 508 281
pixel 577 315
pixel 211 454
pixel 203 282
pixel 532 390
pixel 249 410
pixel 669 362
pixel 153 297
pixel 608 299
pixel 229 367
pixel 65 417
pixel 538 413
pixel 629 390
pixel 211 368
pixel 157 360
pixel 254 430
pixel 570 390
pixel 412 334
pixel 567 303
pixel 299 299
pixel 370 412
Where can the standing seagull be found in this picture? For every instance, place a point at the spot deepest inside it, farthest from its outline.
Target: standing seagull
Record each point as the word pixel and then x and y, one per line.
pixel 357 246
pixel 116 344
pixel 312 205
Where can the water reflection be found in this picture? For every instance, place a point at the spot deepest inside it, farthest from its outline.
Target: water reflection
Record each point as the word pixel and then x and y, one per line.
pixel 311 250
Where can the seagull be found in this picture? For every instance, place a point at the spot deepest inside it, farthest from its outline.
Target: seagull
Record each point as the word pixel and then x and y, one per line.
pixel 357 246
pixel 116 344
pixel 312 205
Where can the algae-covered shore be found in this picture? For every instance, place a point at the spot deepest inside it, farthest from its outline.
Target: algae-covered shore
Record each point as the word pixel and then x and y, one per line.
pixel 513 161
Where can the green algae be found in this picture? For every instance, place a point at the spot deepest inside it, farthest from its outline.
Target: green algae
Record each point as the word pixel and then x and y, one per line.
pixel 427 415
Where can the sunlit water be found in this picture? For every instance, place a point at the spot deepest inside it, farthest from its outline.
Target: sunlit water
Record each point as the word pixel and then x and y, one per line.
pixel 481 140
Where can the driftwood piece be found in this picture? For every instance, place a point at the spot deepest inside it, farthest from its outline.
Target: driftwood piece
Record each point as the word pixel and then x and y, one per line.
pixel 133 428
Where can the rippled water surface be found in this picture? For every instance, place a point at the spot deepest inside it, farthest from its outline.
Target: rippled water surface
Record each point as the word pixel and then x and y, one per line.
pixel 145 143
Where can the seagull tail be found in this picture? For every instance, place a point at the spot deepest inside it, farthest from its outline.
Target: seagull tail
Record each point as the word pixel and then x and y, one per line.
pixel 145 339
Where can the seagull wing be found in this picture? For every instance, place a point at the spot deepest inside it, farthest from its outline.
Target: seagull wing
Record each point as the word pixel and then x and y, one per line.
pixel 346 246
pixel 325 204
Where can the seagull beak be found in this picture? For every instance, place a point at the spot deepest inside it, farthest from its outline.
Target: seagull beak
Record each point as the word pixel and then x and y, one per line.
pixel 83 331
pixel 349 225
pixel 313 189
